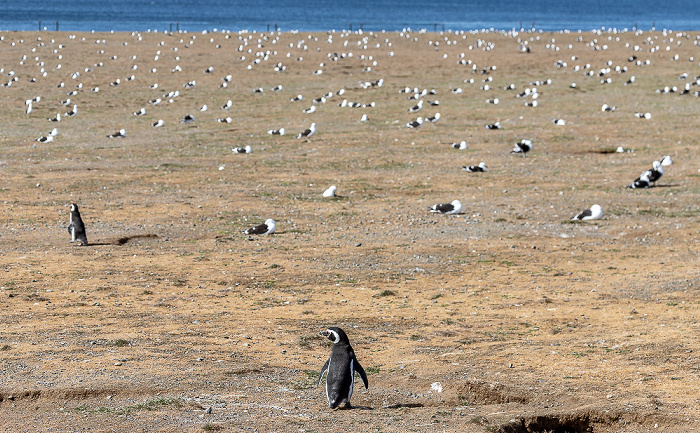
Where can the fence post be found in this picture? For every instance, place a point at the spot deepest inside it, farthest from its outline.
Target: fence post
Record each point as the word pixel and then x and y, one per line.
pixel 178 26
pixel 56 25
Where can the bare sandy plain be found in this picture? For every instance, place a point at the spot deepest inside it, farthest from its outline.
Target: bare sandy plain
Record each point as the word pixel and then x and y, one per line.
pixel 173 320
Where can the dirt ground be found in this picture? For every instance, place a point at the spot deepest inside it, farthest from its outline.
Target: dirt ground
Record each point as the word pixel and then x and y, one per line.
pixel 508 317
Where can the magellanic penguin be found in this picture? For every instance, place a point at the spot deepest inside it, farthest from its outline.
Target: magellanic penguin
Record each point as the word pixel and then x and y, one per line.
pixel 341 367
pixel 76 228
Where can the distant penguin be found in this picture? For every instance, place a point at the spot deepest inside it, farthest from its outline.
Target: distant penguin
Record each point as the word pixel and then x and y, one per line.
pixel 341 367
pixel 76 228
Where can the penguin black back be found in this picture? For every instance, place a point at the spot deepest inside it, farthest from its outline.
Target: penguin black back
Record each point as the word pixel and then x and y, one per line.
pixel 341 367
pixel 76 228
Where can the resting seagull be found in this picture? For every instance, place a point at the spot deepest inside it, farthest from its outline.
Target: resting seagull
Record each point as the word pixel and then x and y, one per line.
pixel 158 124
pixel 330 192
pixel 495 125
pixel 523 146
pixel 187 119
pixel 416 108
pixel 276 131
pixel 475 168
pixel 246 149
pixel 447 208
pixel 266 228
pixel 434 118
pixel 415 123
pixel 462 145
pixel 594 213
pixel 308 132
pixel 119 134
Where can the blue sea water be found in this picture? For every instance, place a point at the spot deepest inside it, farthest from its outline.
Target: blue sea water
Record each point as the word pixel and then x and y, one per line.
pixel 322 15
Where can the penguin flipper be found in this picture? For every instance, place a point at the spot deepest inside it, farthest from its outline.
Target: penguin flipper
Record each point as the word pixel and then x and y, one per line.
pixel 323 369
pixel 363 375
pixel 70 228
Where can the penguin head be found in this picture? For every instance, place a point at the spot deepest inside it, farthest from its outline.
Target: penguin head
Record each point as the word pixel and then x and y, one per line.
pixel 336 335
pixel 74 207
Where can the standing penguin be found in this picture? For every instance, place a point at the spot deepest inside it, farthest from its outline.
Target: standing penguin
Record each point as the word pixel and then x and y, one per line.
pixel 341 367
pixel 76 228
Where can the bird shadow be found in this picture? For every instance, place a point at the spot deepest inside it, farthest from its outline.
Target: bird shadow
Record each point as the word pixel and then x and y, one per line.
pixel 122 240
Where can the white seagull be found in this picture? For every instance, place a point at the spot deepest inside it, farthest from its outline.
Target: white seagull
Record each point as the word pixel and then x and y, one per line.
pixel 462 145
pixel 308 132
pixel 330 192
pixel 119 134
pixel 158 124
pixel 475 168
pixel 594 213
pixel 447 208
pixel 523 146
pixel 246 149
pixel 266 228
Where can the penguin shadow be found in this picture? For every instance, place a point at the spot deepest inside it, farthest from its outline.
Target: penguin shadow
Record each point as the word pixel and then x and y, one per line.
pixel 122 240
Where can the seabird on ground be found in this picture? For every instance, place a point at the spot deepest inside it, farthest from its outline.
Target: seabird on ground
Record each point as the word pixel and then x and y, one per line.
pixel 641 182
pixel 246 149
pixel 55 119
pixel 266 228
pixel 643 115
pixel 415 123
pixel 607 107
pixel 310 110
pixel 276 131
pixel 475 168
pixel 187 119
pixel 157 124
pixel 119 134
pixel 416 108
pixel 364 118
pixel 308 132
pixel 666 161
pixel 434 103
pixel 447 208
pixel 72 112
pixel 462 145
pixel 45 139
pixel 434 118
pixel 495 125
pixel 523 146
pixel 296 98
pixel 594 213
pixel 559 122
pixel 457 91
pixel 656 172
pixel 224 120
pixel 277 88
pixel 330 192
pixel 203 108
pixel 227 105
pixel 141 112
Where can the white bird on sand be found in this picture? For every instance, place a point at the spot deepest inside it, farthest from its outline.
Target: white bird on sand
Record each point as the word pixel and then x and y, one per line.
pixel 462 145
pixel 434 118
pixel 72 112
pixel 276 131
pixel 266 228
pixel 55 119
pixel 666 161
pixel 158 124
pixel 308 132
pixel 415 123
pixel 475 168
pixel 594 213
pixel 330 192
pixel 246 149
pixel 523 146
pixel 364 118
pixel 141 112
pixel 310 110
pixel 203 108
pixel 119 134
pixel 447 208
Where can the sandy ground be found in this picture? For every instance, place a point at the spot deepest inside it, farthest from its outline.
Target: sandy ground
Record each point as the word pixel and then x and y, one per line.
pixel 507 317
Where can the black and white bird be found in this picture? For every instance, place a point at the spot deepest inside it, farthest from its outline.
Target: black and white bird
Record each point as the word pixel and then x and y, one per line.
pixel 462 145
pixel 330 192
pixel 224 120
pixel 594 213
pixel 141 112
pixel 308 132
pixel 227 105
pixel 246 149
pixel 609 108
pixel 523 146
pixel 55 119
pixel 311 109
pixel 276 131
pixel 119 134
pixel 340 367
pixel 656 172
pixel 45 139
pixel 475 168
pixel 641 182
pixel 433 119
pixel 187 119
pixel 415 123
pixel 666 161
pixel 495 125
pixel 266 228
pixel 559 122
pixel 416 108
pixel 447 208
pixel 158 124
pixel 76 228
pixel 72 112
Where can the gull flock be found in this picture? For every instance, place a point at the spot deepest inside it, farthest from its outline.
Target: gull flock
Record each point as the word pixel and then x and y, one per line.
pixel 91 88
